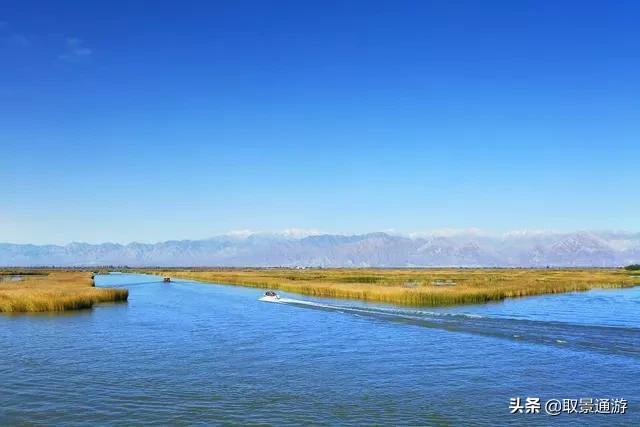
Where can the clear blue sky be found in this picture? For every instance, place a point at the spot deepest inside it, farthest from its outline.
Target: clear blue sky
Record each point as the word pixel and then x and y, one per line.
pixel 168 120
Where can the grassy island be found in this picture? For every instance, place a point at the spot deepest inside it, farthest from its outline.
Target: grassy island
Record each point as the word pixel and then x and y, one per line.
pixel 52 291
pixel 417 287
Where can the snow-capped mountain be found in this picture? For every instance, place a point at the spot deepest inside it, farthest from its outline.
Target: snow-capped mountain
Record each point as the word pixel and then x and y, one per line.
pixel 466 249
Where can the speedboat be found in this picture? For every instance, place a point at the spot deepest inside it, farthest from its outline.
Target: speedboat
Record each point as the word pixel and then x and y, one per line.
pixel 270 296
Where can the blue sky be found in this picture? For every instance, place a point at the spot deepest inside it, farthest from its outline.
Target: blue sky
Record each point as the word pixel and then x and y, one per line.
pixel 170 120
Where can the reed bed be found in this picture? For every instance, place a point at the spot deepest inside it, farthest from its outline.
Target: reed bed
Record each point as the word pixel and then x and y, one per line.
pixel 416 287
pixel 55 291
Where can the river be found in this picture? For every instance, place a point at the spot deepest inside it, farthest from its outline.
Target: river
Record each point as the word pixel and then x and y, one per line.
pixel 185 353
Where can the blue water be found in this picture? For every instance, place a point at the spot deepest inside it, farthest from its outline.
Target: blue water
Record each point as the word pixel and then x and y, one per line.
pixel 185 353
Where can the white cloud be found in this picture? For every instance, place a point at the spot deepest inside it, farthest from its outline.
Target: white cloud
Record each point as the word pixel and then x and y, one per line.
pixel 298 233
pixel 289 233
pixel 240 233
pixel 75 50
pixel 529 233
pixel 11 38
pixel 17 40
pixel 451 232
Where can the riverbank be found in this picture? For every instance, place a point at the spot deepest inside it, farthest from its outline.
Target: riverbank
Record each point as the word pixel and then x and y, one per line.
pixel 54 291
pixel 415 287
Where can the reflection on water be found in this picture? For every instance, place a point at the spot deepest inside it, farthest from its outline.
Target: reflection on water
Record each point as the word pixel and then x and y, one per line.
pixel 185 352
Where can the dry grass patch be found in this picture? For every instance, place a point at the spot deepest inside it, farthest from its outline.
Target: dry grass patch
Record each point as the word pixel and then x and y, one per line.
pixel 55 291
pixel 417 287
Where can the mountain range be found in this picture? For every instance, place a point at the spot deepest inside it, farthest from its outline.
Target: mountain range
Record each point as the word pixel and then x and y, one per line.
pixel 439 249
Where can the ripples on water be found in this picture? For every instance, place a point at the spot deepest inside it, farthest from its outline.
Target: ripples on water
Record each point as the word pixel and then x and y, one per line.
pixel 185 353
pixel 607 339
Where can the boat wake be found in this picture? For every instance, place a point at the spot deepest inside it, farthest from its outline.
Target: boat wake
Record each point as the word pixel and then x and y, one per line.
pixel 617 340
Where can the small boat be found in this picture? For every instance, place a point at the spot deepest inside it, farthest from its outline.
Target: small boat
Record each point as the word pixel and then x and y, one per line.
pixel 270 296
pixel 166 279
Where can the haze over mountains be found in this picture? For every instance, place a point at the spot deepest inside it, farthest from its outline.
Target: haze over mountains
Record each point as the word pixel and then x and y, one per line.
pixel 456 248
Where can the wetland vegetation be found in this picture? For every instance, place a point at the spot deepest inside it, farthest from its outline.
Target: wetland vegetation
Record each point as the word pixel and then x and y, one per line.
pixel 56 290
pixel 416 287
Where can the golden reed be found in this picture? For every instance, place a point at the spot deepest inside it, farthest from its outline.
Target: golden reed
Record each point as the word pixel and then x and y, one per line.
pixel 416 287
pixel 55 291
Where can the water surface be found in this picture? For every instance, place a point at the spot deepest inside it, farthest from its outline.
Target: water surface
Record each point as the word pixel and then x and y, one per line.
pixel 185 353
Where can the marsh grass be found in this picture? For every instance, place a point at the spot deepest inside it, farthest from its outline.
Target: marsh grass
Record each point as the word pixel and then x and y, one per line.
pixel 55 291
pixel 463 286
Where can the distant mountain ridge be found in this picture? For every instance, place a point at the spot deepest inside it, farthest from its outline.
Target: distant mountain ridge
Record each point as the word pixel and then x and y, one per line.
pixel 456 249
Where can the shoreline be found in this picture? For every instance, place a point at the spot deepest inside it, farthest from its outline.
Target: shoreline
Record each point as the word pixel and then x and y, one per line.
pixel 412 287
pixel 55 291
